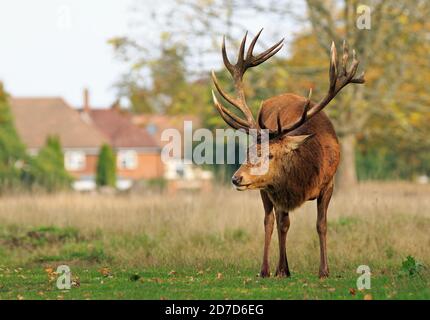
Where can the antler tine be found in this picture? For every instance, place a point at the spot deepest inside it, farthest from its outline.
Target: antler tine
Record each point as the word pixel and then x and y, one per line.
pixel 235 102
pixel 345 57
pixel 354 66
pixel 260 58
pixel 226 96
pixel 241 54
pixel 333 67
pixel 237 71
pixel 360 79
pixel 338 80
pixel 228 112
pixel 230 118
pixel 252 45
pixel 227 62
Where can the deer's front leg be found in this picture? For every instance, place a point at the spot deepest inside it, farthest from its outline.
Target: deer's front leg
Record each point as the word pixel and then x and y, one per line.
pixel 269 220
pixel 283 224
pixel 323 201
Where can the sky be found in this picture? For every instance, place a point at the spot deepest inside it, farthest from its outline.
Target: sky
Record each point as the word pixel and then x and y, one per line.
pixel 58 47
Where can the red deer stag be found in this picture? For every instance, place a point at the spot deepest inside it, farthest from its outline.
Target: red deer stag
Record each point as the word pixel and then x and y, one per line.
pixel 303 147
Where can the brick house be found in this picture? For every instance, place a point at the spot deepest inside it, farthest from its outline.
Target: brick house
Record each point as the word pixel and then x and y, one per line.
pixel 138 153
pixel 180 175
pixel 82 133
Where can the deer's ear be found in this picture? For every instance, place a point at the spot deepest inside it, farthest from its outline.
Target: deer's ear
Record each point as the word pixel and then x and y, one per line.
pixel 293 142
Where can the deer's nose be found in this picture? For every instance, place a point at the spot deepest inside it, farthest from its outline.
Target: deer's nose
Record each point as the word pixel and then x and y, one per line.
pixel 236 180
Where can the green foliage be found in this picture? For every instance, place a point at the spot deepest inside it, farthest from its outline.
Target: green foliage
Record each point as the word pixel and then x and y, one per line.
pixel 40 236
pixel 135 277
pixel 47 170
pixel 411 267
pixel 383 161
pixel 106 167
pixel 390 110
pixel 12 151
pixel 221 281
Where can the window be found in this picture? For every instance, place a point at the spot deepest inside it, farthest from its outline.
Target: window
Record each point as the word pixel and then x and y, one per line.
pixel 127 159
pixel 152 129
pixel 74 160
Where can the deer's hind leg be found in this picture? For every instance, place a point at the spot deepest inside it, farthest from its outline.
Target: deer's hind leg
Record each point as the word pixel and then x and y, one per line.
pixel 268 230
pixel 322 205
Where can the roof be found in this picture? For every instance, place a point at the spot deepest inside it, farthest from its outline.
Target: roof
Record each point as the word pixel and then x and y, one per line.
pixel 155 124
pixel 117 125
pixel 37 118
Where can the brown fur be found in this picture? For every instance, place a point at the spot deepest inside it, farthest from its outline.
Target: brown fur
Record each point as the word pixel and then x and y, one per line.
pixel 295 175
pixel 303 147
pixel 307 170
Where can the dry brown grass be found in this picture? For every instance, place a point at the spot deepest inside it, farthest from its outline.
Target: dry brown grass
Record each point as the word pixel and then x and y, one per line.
pixel 377 224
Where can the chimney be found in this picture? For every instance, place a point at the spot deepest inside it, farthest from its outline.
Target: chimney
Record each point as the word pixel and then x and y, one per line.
pixel 116 105
pixel 86 106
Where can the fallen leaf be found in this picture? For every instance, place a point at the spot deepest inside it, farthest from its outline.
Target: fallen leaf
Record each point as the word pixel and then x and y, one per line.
pixel 157 280
pixel 352 291
pixel 219 276
pixel 105 272
pixel 49 270
pixel 331 289
pixel 76 282
pixel 20 297
pixel 368 297
pixel 172 273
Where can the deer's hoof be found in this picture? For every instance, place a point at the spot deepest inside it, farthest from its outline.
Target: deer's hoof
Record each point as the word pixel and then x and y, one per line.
pixel 264 273
pixel 282 273
pixel 323 274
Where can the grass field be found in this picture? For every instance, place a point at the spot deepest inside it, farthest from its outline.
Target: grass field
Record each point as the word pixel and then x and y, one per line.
pixel 203 246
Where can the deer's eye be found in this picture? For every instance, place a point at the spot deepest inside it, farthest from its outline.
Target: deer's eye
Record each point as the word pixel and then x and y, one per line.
pixel 270 156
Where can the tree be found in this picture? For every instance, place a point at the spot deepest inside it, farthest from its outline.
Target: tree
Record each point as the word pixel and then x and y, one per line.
pixel 47 168
pixel 187 36
pixel 389 111
pixel 396 29
pixel 12 151
pixel 106 167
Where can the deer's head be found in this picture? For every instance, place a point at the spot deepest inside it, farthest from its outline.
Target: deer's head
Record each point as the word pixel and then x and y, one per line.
pixel 281 145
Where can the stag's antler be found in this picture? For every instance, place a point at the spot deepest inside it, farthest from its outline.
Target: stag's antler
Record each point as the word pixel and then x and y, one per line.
pixel 237 71
pixel 280 129
pixel 337 82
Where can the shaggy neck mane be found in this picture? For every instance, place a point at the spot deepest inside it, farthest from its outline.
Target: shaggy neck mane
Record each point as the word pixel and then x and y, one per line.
pixel 299 165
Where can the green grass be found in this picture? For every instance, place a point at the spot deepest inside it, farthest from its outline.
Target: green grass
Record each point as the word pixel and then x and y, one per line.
pixel 186 283
pixel 209 246
pixel 33 254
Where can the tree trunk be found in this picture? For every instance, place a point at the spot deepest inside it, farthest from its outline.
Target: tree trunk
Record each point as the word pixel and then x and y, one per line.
pixel 346 177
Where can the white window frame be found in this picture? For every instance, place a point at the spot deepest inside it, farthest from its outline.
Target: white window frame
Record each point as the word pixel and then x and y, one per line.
pixel 75 160
pixel 127 160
